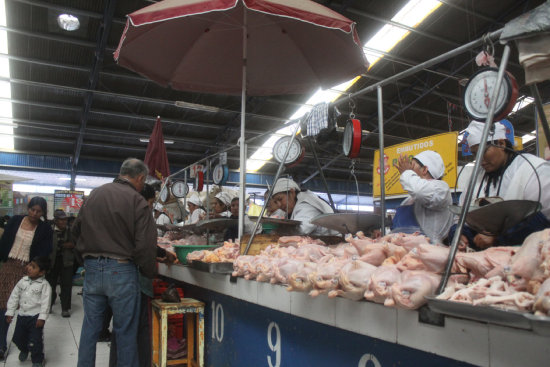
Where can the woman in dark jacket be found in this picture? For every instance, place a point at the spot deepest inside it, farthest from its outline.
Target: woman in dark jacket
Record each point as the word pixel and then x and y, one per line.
pixel 25 237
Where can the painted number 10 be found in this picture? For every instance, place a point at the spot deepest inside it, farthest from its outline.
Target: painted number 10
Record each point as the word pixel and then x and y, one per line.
pixel 275 347
pixel 217 322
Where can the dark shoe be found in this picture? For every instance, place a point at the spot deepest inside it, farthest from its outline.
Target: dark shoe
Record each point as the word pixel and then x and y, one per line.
pixel 104 337
pixel 23 356
pixel 38 364
pixel 66 313
pixel 2 354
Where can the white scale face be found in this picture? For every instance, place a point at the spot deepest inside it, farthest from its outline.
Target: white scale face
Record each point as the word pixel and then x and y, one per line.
pixel 280 147
pixel 217 174
pixel 180 189
pixel 477 97
pixel 348 138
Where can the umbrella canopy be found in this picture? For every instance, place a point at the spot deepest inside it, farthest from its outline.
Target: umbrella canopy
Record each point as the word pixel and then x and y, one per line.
pixel 293 46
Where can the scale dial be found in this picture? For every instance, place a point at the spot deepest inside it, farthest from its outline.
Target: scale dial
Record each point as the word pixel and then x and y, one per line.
pixel 479 90
pixel 199 181
pixel 220 174
pixel 351 141
pixel 295 153
pixel 180 189
pixel 164 194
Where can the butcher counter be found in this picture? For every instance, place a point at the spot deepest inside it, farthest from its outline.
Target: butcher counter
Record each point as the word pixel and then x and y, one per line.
pixel 252 324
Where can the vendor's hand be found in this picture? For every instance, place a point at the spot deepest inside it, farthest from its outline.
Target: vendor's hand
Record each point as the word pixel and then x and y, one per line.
pixel 40 324
pixel 68 245
pixel 462 243
pixel 170 258
pixel 8 319
pixel 404 163
pixel 483 241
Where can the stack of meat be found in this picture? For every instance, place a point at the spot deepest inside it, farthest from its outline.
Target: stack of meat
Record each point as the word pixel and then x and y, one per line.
pixel 226 253
pixel 192 240
pixel 512 278
pixel 396 270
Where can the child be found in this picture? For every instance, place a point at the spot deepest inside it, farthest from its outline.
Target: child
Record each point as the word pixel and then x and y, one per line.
pixel 32 295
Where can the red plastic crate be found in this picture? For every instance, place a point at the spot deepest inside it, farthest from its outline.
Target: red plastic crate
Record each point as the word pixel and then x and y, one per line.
pixel 159 286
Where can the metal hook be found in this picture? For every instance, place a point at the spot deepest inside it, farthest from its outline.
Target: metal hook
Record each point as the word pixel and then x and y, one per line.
pixel 351 108
pixel 488 45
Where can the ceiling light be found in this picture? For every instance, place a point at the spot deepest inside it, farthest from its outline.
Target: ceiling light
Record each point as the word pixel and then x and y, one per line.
pixel 145 140
pixel 68 22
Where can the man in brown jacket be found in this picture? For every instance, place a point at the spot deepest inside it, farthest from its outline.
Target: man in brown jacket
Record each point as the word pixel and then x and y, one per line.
pixel 116 238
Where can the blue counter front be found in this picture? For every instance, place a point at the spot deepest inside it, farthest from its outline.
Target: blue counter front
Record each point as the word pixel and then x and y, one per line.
pixel 248 323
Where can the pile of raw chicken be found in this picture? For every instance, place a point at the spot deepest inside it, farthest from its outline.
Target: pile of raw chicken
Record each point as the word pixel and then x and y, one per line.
pixel 226 253
pixel 400 269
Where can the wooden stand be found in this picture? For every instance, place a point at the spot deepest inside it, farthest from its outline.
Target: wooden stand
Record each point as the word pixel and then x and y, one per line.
pixel 193 311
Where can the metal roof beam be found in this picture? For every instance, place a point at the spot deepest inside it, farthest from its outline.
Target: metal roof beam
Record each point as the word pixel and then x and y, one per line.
pixel 103 35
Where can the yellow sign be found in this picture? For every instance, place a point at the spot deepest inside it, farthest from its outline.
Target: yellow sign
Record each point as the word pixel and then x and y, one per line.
pixel 444 144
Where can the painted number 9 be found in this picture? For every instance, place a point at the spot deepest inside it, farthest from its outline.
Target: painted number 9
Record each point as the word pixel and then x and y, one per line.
pixel 274 347
pixel 217 322
pixel 369 357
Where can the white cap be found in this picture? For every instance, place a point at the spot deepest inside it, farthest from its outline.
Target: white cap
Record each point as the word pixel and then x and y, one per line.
pixel 158 207
pixel 195 200
pixel 433 161
pixel 475 132
pixel 284 185
pixel 224 197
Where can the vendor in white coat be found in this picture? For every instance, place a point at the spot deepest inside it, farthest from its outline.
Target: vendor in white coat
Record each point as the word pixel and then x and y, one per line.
pixel 196 210
pixel 222 205
pixel 302 206
pixel 160 217
pixel 426 209
pixel 510 175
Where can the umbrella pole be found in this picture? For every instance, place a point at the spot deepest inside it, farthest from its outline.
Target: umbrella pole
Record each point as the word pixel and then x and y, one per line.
pixel 242 173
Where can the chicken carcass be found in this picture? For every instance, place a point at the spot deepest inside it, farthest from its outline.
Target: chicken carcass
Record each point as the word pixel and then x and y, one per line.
pixel 410 290
pixel 526 263
pixel 283 268
pixel 542 299
pixel 426 257
pixel 325 277
pixel 479 264
pixel 300 281
pixel 353 280
pixel 381 280
pixel 408 241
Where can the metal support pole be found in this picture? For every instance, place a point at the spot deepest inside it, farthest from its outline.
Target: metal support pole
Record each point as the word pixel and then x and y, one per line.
pixel 540 110
pixel 479 157
pixel 382 180
pixel 185 197
pixel 242 173
pixel 316 158
pixel 270 191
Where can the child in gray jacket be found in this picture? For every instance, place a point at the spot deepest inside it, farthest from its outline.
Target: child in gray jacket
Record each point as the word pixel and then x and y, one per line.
pixel 32 295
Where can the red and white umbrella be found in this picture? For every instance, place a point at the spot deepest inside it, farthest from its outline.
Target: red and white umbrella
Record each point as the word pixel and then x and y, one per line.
pixel 247 47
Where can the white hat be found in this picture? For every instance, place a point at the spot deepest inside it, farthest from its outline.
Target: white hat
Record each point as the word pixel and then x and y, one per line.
pixel 158 207
pixel 284 185
pixel 433 161
pixel 195 200
pixel 475 132
pixel 224 197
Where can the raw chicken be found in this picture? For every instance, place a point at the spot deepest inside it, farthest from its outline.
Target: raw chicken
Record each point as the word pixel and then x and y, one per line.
pixel 284 268
pixel 410 290
pixel 542 299
pixel 300 280
pixel 381 280
pixel 526 263
pixel 479 264
pixel 408 241
pixel 325 277
pixel 426 257
pixel 353 280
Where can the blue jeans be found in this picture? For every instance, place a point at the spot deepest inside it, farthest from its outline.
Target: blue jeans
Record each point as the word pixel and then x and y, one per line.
pixel 108 281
